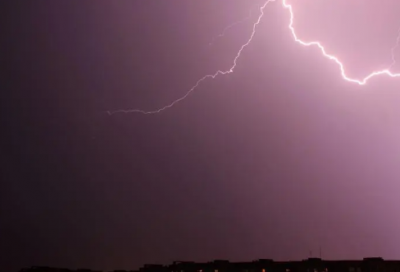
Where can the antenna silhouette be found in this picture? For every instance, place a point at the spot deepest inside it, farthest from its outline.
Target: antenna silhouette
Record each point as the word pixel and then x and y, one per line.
pixel 320 252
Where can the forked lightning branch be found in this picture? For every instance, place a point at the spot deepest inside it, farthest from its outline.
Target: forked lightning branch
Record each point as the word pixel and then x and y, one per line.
pixel 291 26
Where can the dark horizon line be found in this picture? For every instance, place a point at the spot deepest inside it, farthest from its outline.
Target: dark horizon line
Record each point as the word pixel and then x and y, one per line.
pixel 312 264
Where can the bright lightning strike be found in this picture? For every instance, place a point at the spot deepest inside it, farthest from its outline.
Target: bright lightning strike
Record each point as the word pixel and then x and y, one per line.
pixel 332 57
pixel 291 27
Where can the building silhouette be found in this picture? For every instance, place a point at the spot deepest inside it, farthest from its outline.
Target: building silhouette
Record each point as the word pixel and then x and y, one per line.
pixel 261 265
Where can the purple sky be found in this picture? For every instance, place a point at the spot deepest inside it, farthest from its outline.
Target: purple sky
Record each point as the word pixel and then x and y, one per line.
pixel 274 160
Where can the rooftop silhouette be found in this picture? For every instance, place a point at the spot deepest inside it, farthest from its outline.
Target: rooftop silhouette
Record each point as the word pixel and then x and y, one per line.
pixel 261 265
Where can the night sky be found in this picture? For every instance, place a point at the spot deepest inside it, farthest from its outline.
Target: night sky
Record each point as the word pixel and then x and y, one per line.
pixel 275 160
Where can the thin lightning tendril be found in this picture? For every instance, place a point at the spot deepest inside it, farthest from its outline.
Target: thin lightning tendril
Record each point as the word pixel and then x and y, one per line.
pixel 317 44
pixel 223 33
pixel 393 51
pixel 219 72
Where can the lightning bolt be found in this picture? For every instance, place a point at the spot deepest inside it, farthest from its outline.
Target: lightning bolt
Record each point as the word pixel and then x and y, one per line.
pixel 291 27
pixel 212 76
pixel 332 57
